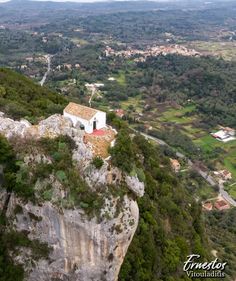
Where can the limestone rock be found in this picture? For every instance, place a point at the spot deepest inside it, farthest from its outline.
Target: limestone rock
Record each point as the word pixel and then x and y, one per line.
pixel 82 249
pixel 135 185
pixel 11 128
pixel 3 197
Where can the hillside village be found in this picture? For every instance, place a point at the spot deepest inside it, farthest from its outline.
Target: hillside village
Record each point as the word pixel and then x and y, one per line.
pixel 151 52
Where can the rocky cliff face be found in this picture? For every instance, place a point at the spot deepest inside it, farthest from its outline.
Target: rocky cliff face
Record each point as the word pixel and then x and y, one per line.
pixel 82 248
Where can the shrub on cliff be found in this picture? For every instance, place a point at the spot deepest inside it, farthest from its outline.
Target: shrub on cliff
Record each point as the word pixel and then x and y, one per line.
pixel 122 154
pixel 97 162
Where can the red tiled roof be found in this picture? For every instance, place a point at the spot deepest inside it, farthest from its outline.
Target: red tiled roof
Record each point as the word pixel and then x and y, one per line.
pixel 221 204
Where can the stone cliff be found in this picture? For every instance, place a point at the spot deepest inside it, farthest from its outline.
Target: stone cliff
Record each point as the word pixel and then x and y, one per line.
pixel 82 248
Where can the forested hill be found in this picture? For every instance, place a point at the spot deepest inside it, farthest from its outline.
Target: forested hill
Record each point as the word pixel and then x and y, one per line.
pixel 20 97
pixel 170 226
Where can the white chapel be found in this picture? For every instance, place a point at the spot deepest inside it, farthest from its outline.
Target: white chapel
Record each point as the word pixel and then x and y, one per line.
pixel 91 119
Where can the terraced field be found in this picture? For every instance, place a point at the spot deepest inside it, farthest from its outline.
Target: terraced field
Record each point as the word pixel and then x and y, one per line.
pixel 226 50
pixel 186 119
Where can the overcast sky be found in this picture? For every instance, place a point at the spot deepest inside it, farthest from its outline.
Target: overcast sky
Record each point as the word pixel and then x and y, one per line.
pixel 1 1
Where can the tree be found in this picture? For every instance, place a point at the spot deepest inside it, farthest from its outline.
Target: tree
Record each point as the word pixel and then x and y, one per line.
pixel 122 154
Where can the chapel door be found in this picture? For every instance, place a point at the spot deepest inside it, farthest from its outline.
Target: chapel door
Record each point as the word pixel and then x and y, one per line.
pixel 94 125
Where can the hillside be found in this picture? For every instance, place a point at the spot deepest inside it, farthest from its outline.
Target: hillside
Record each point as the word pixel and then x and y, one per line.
pixel 42 180
pixel 207 82
pixel 20 97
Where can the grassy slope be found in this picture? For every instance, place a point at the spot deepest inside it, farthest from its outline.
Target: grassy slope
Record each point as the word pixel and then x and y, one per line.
pixel 20 97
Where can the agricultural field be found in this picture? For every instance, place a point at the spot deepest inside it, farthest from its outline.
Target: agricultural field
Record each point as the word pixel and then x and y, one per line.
pixel 121 79
pixel 225 50
pixel 79 41
pixel 178 116
pixel 222 155
pixel 133 102
pixel 231 189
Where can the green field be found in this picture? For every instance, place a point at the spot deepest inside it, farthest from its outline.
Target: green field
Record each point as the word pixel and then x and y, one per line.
pixel 231 189
pixel 230 162
pixel 226 50
pixel 134 101
pixel 178 115
pixel 121 79
pixel 79 41
pixel 201 138
pixel 206 192
pixel 209 144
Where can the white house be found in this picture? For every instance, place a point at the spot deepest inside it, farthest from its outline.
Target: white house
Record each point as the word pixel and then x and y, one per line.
pixel 225 134
pixel 92 119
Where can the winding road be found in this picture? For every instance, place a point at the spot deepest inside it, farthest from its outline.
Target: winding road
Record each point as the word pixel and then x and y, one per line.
pixel 48 58
pixel 202 173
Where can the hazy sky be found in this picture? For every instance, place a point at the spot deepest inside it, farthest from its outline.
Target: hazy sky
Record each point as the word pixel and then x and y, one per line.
pixel 1 1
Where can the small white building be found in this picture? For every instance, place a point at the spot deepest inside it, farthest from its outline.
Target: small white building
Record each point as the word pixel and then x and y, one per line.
pixel 225 134
pixel 92 119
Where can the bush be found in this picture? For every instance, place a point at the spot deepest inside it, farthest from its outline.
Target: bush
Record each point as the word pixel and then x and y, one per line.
pixel 122 154
pixel 97 162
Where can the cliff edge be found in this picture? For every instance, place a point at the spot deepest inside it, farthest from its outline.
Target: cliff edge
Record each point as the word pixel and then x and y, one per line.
pixel 82 245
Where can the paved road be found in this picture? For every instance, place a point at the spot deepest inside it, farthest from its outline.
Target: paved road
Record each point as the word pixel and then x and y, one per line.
pixel 202 173
pixel 48 57
pixel 226 195
pixel 159 141
pixel 213 183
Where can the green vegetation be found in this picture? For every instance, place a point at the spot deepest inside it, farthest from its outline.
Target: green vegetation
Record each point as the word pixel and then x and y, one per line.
pixel 197 186
pixel 170 225
pixel 22 98
pixel 177 140
pixel 221 228
pixel 10 169
pixel 132 103
pixel 146 26
pixel 17 45
pixel 15 239
pixel 10 242
pixel 222 155
pixel 178 116
pixel 182 98
pixel 122 153
pixel 207 82
pixel 230 161
pixel 8 270
pixel 61 166
pixel 121 79
pixel 97 162
pixel 225 49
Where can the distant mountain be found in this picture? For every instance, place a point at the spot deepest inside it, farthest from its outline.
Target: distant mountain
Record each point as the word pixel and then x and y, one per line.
pixel 113 5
